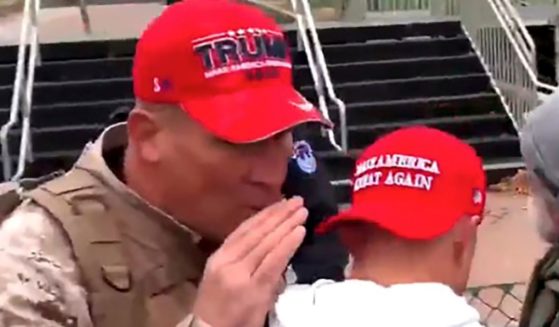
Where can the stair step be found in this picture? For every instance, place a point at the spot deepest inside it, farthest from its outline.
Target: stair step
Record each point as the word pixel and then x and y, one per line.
pixel 47 162
pixel 7 74
pixel 76 50
pixel 85 69
pixel 60 138
pixel 340 165
pixel 456 120
pixel 397 69
pixel 83 91
pixel 397 31
pixel 392 49
pixel 63 114
pixel 475 142
pixel 8 54
pixel 417 108
pixel 503 163
pixel 5 96
pixel 399 89
pixel 462 126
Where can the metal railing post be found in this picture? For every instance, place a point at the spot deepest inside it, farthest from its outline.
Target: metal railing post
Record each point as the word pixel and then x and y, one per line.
pixel 323 68
pixel 85 16
pixel 507 50
pixel 17 92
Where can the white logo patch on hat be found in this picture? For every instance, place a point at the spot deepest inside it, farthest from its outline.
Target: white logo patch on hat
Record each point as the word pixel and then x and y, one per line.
pixel 302 104
pixel 156 86
pixel 403 171
pixel 303 155
pixel 477 197
pixel 305 106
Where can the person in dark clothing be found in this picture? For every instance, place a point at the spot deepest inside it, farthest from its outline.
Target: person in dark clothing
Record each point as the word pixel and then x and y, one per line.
pixel 320 256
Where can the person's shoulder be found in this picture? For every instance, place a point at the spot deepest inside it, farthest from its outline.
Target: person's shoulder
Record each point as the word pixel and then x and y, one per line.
pixel 296 296
pixel 318 304
pixel 30 234
pixel 30 237
pixel 39 279
pixel 31 226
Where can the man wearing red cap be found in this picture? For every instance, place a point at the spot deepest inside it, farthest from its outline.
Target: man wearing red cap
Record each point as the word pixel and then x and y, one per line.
pixel 125 237
pixel 419 195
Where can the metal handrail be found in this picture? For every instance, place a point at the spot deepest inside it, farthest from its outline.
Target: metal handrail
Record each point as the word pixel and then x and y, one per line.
pixel 525 39
pixel 521 37
pixel 85 16
pixel 25 145
pixel 317 65
pixel 520 23
pixel 512 12
pixel 507 51
pixel 317 80
pixel 325 74
pixel 517 121
pixel 22 99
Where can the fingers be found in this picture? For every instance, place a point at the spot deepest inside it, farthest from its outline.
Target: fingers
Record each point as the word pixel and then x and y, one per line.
pixel 252 262
pixel 274 263
pixel 260 227
pixel 274 237
pixel 249 224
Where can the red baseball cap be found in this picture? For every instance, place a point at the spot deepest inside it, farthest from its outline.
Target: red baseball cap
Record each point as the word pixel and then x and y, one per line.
pixel 416 182
pixel 226 64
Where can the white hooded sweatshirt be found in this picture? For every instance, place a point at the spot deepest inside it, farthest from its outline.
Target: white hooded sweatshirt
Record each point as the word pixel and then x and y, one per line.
pixel 358 303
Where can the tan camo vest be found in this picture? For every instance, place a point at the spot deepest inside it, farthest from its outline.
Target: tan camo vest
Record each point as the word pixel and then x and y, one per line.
pixel 139 268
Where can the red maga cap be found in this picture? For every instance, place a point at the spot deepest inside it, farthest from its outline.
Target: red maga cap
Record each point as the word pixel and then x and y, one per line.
pixel 416 182
pixel 226 64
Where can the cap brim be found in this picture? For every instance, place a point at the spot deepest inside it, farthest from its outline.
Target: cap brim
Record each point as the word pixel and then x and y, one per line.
pixel 253 114
pixel 401 219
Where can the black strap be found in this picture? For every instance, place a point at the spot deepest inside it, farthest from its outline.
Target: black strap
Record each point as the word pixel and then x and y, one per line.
pixel 31 183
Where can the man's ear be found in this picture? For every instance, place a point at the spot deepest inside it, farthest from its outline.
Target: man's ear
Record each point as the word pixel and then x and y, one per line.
pixel 144 131
pixel 465 238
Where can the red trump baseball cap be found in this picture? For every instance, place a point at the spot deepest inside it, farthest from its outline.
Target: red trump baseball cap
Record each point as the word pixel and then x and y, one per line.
pixel 226 64
pixel 416 182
